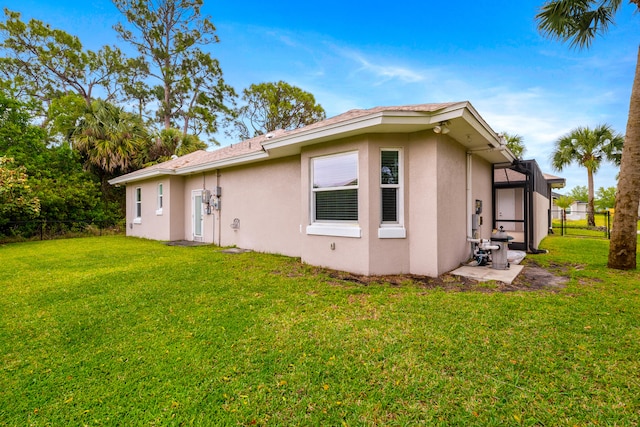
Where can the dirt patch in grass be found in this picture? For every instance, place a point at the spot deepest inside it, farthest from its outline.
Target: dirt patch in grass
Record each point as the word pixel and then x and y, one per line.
pixel 532 278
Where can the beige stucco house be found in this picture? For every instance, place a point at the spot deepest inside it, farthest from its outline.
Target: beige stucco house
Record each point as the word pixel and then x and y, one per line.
pixel 387 190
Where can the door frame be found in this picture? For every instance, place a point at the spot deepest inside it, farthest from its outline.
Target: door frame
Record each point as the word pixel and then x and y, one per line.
pixel 197 210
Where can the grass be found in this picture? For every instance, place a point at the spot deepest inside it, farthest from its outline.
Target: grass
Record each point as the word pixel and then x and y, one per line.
pixel 120 331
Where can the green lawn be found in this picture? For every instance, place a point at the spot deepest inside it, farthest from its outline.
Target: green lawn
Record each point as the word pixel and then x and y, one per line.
pixel 121 331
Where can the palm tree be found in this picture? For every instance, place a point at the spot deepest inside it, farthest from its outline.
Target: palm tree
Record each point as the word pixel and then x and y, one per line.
pixel 516 143
pixel 579 22
pixel 564 203
pixel 588 148
pixel 109 138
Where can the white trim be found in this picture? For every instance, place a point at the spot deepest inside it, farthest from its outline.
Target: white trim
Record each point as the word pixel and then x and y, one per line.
pixel 137 203
pixel 314 191
pixel 141 175
pixel 399 223
pixel 392 233
pixel 160 198
pixel 194 206
pixel 334 230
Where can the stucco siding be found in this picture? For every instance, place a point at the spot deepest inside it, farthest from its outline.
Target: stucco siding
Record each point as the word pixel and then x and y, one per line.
pixel 260 207
pixel 152 224
pixel 338 252
pixel 423 204
pixel 540 218
pixel 174 190
pixel 481 189
pixel 387 255
pixel 452 205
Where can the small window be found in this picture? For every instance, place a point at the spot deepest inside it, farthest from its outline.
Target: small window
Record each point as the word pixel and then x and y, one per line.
pixel 391 202
pixel 160 200
pixel 138 207
pixel 390 185
pixel 335 188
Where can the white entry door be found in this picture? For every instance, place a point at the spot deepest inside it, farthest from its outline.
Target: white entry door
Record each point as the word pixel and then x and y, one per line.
pixel 506 208
pixel 197 215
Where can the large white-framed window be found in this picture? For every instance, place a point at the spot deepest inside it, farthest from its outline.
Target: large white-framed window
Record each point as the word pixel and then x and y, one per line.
pixel 391 194
pixel 160 199
pixel 334 195
pixel 138 206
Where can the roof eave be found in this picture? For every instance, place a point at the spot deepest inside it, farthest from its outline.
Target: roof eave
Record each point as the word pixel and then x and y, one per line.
pixel 557 183
pixel 381 121
pixel 126 179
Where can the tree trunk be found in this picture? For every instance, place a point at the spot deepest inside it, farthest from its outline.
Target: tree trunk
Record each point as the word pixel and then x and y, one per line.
pixel 624 237
pixel 167 106
pixel 591 220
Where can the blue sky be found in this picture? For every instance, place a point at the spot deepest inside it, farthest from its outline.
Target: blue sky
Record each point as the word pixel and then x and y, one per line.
pixel 367 54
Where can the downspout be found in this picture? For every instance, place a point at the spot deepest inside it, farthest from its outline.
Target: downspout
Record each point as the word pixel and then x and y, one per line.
pixel 528 211
pixel 469 201
pixel 219 210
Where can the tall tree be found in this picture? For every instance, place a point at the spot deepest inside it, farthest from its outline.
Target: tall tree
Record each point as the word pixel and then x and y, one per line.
pixel 579 22
pixel 19 139
pixel 606 198
pixel 55 173
pixel 63 114
pixel 271 106
pixel 17 201
pixel 168 143
pixel 169 35
pixel 49 62
pixel 579 193
pixel 588 148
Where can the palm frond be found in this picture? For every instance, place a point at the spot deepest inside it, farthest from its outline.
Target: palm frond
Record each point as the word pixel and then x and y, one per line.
pixel 577 21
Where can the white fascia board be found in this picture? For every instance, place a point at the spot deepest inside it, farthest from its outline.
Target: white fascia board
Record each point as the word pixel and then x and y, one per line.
pixel 218 164
pixel 326 132
pixel 449 113
pixel 125 179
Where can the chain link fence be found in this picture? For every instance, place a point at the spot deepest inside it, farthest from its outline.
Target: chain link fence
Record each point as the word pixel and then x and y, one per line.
pixel 18 231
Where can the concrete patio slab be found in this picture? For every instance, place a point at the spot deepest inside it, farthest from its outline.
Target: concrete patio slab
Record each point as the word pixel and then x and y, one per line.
pixel 484 274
